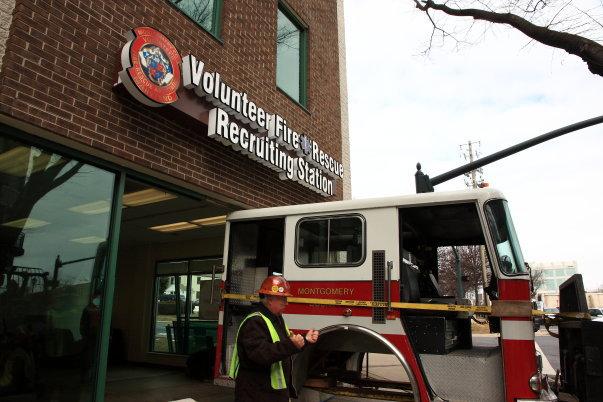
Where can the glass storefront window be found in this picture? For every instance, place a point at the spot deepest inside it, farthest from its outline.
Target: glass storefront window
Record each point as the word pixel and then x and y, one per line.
pixel 54 228
pixel 186 319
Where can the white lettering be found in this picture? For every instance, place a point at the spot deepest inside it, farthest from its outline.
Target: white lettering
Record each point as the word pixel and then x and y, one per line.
pixel 192 70
pixel 208 83
pixel 234 132
pixel 217 123
pixel 252 111
pixel 239 122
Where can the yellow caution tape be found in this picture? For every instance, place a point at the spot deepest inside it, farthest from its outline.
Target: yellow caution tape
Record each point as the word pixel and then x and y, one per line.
pixel 374 304
pixel 585 316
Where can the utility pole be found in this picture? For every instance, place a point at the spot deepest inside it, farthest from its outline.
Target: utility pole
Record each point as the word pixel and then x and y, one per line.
pixel 470 154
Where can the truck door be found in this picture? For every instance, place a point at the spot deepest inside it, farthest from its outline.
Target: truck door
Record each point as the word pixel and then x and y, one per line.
pixel 439 243
pixel 341 256
pixel 254 251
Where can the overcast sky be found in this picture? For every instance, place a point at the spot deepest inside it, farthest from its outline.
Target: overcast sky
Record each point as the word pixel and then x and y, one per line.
pixel 405 107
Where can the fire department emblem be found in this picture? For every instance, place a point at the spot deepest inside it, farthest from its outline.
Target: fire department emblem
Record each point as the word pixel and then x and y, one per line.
pixel 151 67
pixel 306 144
pixel 275 288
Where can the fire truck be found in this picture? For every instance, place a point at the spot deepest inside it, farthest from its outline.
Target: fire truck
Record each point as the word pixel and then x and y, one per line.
pixel 365 273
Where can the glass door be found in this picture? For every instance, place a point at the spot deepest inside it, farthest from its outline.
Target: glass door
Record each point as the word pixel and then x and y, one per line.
pixel 186 305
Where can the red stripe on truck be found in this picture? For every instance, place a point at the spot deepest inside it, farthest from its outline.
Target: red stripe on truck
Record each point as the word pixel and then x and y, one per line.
pixel 519 363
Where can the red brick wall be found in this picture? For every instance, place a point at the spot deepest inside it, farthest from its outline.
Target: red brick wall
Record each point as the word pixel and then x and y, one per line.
pixel 62 60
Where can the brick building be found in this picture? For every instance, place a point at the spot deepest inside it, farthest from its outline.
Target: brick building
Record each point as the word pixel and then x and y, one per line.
pixel 127 132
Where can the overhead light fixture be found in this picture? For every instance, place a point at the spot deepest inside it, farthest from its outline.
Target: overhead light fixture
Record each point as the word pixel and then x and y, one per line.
pixel 148 196
pixel 92 208
pixel 26 223
pixel 214 220
pixel 88 240
pixel 175 227
pixel 189 225
pixel 16 162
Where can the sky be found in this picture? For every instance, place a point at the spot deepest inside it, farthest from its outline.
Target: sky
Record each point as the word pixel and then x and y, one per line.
pixel 405 107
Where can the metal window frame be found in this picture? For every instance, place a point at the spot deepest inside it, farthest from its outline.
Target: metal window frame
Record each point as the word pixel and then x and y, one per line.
pixel 328 218
pixel 216 19
pixel 524 274
pixel 121 175
pixel 189 273
pixel 106 307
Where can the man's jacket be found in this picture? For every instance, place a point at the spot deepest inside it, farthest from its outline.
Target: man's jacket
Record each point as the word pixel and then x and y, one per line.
pixel 257 353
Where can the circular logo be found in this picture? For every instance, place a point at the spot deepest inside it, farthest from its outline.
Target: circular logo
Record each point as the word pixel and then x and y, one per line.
pixel 156 65
pixel 151 67
pixel 281 289
pixel 274 288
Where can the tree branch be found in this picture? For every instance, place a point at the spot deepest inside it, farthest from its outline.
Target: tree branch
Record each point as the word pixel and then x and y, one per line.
pixel 588 50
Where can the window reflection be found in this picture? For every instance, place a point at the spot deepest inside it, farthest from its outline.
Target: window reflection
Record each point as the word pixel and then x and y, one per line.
pixel 52 261
pixel 288 56
pixel 186 318
pixel 200 11
pixel 330 241
pixel 510 259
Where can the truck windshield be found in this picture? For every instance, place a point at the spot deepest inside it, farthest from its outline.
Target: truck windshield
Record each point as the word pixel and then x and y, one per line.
pixel 501 226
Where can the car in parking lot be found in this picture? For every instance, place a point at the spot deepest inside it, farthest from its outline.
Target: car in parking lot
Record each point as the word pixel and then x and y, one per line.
pixel 596 313
pixel 537 320
pixel 170 298
pixel 550 312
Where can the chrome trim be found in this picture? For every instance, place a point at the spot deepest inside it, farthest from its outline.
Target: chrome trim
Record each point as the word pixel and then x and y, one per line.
pixel 213 278
pixel 390 266
pixel 390 346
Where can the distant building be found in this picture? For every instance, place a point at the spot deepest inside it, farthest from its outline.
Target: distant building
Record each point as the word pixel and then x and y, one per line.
pixel 553 274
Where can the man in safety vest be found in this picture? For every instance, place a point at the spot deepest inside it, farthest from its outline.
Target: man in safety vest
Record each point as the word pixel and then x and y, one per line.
pixel 261 360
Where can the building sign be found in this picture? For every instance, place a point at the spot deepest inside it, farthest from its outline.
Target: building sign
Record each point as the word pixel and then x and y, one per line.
pixel 152 75
pixel 151 67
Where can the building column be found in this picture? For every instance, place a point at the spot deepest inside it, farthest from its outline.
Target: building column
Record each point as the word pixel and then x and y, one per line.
pixel 6 18
pixel 343 96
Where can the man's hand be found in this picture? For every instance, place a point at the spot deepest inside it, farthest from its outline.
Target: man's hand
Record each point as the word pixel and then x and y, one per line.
pixel 312 336
pixel 297 340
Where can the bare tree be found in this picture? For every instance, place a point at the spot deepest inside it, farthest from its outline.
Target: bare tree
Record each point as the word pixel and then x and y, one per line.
pixel 201 11
pixel 27 175
pixel 561 24
pixel 471 270
pixel 287 35
pixel 537 276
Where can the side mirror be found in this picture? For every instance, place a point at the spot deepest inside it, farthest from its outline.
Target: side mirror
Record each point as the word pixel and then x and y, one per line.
pixel 506 264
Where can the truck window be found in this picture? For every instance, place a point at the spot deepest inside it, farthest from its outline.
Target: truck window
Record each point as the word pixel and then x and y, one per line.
pixel 255 251
pixel 505 239
pixel 330 241
pixel 432 238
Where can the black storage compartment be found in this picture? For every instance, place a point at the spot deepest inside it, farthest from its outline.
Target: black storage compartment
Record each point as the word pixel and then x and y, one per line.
pixel 580 345
pixel 437 335
pixel 581 358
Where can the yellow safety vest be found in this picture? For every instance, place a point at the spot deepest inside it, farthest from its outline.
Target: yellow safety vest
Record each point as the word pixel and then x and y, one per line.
pixel 277 377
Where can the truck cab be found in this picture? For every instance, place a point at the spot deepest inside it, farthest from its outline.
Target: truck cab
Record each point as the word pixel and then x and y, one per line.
pixel 374 277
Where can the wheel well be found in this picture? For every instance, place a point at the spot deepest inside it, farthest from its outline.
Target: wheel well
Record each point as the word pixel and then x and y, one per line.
pixel 341 347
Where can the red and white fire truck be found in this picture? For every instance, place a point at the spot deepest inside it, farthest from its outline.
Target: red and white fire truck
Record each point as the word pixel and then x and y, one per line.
pixel 365 274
